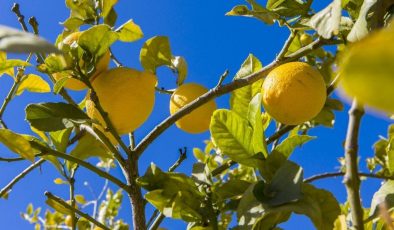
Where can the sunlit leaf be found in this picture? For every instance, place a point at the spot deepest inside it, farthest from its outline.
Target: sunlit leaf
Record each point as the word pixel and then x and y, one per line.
pixel 240 98
pixel 60 139
pixel 129 32
pixel 180 67
pixel 106 6
pixel 89 146
pixel 97 39
pixel 384 194
pixel 17 144
pixel 33 83
pixel 257 11
pixel 360 27
pixel 287 8
pixel 234 137
pixel 155 52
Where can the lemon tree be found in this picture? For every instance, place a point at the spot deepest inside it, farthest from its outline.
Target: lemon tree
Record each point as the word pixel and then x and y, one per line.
pixel 245 177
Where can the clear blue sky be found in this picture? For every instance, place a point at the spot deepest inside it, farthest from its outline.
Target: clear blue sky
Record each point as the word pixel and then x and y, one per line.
pixel 211 43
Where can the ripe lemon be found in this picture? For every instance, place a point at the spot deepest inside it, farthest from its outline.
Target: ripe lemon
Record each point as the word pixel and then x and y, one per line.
pixel 75 84
pixel 293 93
pixel 127 95
pixel 198 120
pixel 366 69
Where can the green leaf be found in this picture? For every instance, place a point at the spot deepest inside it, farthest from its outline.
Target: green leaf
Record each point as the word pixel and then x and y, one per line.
pixel 179 65
pixel 9 71
pixel 83 9
pixel 155 52
pixel 53 64
pixel 111 18
pixel 60 139
pixel 285 186
pixel 240 98
pixel 72 23
pixel 269 220
pixel 234 137
pixel 10 63
pixel 234 188
pixel 257 12
pixel 281 153
pixel 129 32
pixel 54 116
pixel 200 173
pixel 326 22
pixel 59 84
pixel 254 117
pixel 249 209
pixel 97 39
pixel 287 8
pixel 89 146
pixel 33 83
pixel 17 144
pixel 384 194
pixel 106 6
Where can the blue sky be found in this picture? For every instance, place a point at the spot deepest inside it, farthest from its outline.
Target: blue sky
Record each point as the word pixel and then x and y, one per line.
pixel 211 43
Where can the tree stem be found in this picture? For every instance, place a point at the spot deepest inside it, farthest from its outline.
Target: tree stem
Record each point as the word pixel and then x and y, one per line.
pixel 351 177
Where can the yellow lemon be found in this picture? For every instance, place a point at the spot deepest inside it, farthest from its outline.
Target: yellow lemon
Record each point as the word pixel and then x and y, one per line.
pixel 198 120
pixel 366 70
pixel 75 84
pixel 293 93
pixel 127 95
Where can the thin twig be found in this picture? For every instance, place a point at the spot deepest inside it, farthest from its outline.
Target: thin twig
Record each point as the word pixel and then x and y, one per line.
pixel 80 162
pixel 337 174
pixel 222 77
pixel 154 220
pixel 287 44
pixel 17 158
pixel 223 89
pixel 9 186
pixel 162 90
pixel 351 178
pixel 77 211
pixel 114 59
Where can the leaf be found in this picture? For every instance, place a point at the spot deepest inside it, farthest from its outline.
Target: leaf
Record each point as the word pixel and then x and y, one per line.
pixel 17 144
pixel 59 84
pixel 60 139
pixel 200 173
pixel 360 27
pixel 155 52
pixel 285 186
pixel 180 67
pixel 41 134
pixel 231 189
pixel 54 116
pixel 53 64
pixel 15 41
pixel 129 32
pixel 240 98
pixel 97 39
pixel 326 22
pixel 281 153
pixel 9 71
pixel 7 65
pixel 384 194
pixel 249 209
pixel 83 9
pixel 287 8
pixel 73 23
pixel 33 83
pixel 257 12
pixel 89 146
pixel 318 204
pixel 109 208
pixel 233 137
pixel 269 220
pixel 106 6
pixel 254 117
pixel 58 206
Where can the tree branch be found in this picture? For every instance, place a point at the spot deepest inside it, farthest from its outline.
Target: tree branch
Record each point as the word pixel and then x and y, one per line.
pixel 336 174
pixel 9 186
pixel 80 162
pixel 223 89
pixel 75 210
pixel 351 178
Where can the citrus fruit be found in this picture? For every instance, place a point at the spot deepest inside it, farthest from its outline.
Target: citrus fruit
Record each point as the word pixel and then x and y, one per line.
pixel 75 84
pixel 366 70
pixel 127 95
pixel 198 120
pixel 293 93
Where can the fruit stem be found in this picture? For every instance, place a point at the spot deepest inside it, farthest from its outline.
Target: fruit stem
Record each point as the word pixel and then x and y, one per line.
pixel 351 178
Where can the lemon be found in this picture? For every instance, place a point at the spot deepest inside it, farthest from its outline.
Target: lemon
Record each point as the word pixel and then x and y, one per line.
pixel 127 95
pixel 68 221
pixel 366 69
pixel 198 120
pixel 75 84
pixel 293 93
